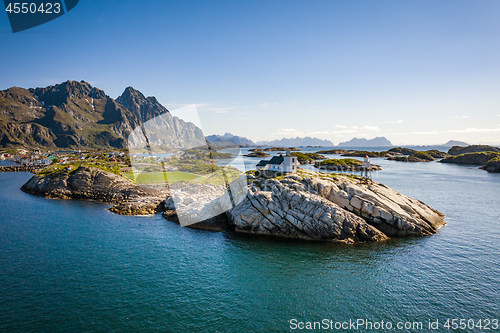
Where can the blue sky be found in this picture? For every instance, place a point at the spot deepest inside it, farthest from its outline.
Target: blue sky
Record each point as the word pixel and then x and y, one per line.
pixel 420 72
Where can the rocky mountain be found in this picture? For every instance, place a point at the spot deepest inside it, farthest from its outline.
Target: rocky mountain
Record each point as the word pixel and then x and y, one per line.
pixel 452 143
pixel 158 125
pixel 75 115
pixel 229 139
pixel 294 142
pixel 375 142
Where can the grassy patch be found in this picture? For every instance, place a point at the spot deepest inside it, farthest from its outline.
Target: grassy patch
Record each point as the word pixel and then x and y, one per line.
pixel 423 155
pixel 343 161
pixel 156 177
pixel 221 176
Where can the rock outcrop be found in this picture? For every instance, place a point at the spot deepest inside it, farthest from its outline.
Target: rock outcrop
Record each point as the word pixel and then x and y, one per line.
pixel 332 209
pixel 419 156
pixel 96 184
pixel 346 167
pixel 21 168
pixel 403 151
pixel 492 165
pixel 457 150
pixel 471 158
pixel 198 206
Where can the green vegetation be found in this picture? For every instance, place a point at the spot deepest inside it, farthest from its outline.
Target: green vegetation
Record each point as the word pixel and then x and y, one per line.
pixel 472 158
pixel 341 162
pixel 404 151
pixel 332 152
pixel 257 153
pixel 51 170
pixel 423 155
pixel 222 176
pixel 281 149
pixel 362 153
pixel 457 150
pixel 156 177
pixel 109 167
pixel 307 157
pixel 217 155
pixel 199 168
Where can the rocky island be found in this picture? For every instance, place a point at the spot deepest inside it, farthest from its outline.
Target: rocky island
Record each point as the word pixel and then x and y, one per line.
pixel 308 205
pixel 487 156
pixel 257 153
pixel 345 164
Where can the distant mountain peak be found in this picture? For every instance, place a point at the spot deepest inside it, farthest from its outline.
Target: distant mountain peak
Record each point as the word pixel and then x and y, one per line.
pixel 229 139
pixel 452 143
pixel 294 142
pixel 379 141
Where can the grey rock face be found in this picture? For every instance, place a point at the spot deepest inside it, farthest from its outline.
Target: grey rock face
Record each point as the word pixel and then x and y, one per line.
pixel 332 209
pixel 290 209
pixel 160 127
pixel 492 166
pixel 77 115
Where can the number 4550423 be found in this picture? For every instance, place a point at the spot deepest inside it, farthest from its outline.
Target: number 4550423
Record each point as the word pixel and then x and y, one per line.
pixel 25 8
pixel 485 324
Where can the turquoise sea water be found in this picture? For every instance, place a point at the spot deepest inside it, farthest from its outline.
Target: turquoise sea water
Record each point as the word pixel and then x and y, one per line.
pixel 72 266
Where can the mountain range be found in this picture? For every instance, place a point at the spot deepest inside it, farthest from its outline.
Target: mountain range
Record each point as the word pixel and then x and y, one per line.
pixel 294 142
pixel 375 142
pixel 229 139
pixel 77 115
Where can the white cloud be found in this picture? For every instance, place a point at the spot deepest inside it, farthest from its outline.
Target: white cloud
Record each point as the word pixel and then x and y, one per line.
pixel 475 130
pixel 292 132
pixel 341 126
pixel 370 128
pixel 267 104
pixel 355 127
pixel 289 131
pixel 347 131
pixel 221 111
pixel 461 117
pixel 417 133
pixel 394 122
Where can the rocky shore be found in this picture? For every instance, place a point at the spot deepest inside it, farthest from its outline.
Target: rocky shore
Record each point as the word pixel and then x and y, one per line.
pixel 21 168
pixel 492 165
pixel 309 206
pixel 96 184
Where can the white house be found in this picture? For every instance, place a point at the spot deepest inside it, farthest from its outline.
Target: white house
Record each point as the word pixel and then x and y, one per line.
pixel 285 164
